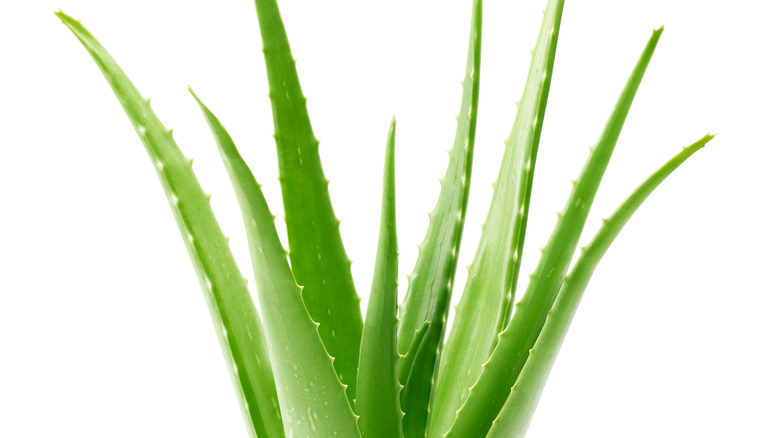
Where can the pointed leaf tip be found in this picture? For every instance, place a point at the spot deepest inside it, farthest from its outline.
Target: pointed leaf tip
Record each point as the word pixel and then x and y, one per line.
pixel 519 408
pixel 230 304
pixel 485 303
pixel 311 224
pixel 378 387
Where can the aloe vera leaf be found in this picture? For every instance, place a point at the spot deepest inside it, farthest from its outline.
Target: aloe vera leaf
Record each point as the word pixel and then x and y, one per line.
pixel 430 284
pixel 515 416
pixel 377 401
pixel 500 371
pixel 425 347
pixel 311 397
pixel 415 395
pixel 234 315
pixel 492 276
pixel 317 255
pixel 405 366
pixel 432 276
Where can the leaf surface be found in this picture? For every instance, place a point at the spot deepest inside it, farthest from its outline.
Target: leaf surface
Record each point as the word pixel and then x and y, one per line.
pixel 234 315
pixel 406 365
pixel 418 386
pixel 378 402
pixel 430 284
pixel 312 400
pixel 500 371
pixel 515 416
pixel 317 255
pixel 492 276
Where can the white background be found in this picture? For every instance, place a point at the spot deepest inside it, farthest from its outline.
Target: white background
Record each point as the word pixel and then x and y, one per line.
pixel 103 328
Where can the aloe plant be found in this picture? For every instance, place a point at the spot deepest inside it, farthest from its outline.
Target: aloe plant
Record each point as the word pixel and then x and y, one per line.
pixel 303 361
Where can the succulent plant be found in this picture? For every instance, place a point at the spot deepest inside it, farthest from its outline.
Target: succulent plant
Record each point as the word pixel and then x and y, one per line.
pixel 307 363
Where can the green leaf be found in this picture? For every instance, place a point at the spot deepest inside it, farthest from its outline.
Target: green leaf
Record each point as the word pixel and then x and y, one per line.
pixel 499 373
pixel 417 389
pixel 312 399
pixel 515 416
pixel 233 313
pixel 378 402
pixel 430 284
pixel 492 276
pixel 405 367
pixel 317 253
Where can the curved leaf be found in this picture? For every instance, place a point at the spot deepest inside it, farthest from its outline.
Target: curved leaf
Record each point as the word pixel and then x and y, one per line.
pixel 515 416
pixel 232 310
pixel 312 399
pixel 484 307
pixel 317 253
pixel 430 284
pixel 500 371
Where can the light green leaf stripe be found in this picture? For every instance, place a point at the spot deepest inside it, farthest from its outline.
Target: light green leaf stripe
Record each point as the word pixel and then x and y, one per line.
pixel 430 284
pixel 233 312
pixel 317 253
pixel 378 402
pixel 515 417
pixel 492 276
pixel 312 399
pixel 500 372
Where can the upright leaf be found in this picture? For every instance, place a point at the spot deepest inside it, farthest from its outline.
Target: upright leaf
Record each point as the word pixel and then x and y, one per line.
pixel 515 416
pixel 419 384
pixel 378 400
pixel 499 373
pixel 492 277
pixel 406 365
pixel 313 401
pixel 430 284
pixel 233 313
pixel 317 253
